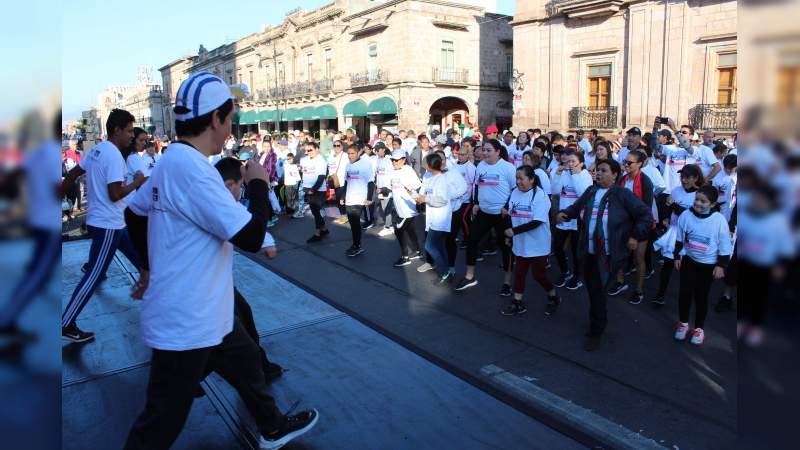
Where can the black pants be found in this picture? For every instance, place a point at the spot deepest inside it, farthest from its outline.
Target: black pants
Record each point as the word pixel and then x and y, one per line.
pixel 754 295
pixel 354 217
pixel 480 227
pixel 696 281
pixel 456 223
pixel 175 376
pixel 406 234
pixel 561 238
pixel 315 202
pixel 598 315
pixel 339 195
pixel 243 312
pixel 666 274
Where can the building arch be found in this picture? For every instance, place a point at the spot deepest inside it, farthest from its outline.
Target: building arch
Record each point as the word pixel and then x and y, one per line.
pixel 449 112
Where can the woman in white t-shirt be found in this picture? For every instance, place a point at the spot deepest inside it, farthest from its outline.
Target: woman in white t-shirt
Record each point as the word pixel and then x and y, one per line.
pixel 359 188
pixel 314 172
pixel 573 180
pixel 436 195
pixel 531 159
pixel 518 148
pixel 529 231
pixel 404 184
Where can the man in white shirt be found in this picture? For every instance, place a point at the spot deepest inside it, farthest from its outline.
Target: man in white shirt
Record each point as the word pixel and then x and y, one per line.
pixel 105 220
pixel 185 220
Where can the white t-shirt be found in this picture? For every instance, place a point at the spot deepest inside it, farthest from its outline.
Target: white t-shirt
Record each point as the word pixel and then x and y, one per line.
pixel 726 188
pixel 401 180
pixel 104 165
pixel 43 203
pixel 291 174
pixel 337 165
pixel 312 169
pixel 764 240
pixel 544 179
pixel 467 171
pixel 705 158
pixel 192 215
pixel 677 158
pixel 438 210
pixel 682 198
pixel 495 182
pixel 357 176
pixel 525 207
pixel 149 161
pixel 704 239
pixel 572 187
pixel 598 197
pixel 382 170
pixel 516 153
pixel 458 187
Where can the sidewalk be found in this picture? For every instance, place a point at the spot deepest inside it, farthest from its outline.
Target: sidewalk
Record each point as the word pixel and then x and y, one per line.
pixel 370 391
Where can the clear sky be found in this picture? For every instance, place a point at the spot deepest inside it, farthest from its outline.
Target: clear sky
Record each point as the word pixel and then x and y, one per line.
pixel 104 42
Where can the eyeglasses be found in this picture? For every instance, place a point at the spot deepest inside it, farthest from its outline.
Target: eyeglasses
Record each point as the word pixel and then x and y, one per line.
pixel 628 163
pixel 337 145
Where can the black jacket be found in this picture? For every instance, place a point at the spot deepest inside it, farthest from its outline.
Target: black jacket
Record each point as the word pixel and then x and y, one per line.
pixel 627 216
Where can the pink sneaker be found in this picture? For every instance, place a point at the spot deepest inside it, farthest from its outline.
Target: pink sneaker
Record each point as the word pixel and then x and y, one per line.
pixel 681 330
pixel 698 337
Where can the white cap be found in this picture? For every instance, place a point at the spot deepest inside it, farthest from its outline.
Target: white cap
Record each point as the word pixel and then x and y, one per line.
pixel 296 133
pixel 200 94
pixel 695 137
pixel 398 154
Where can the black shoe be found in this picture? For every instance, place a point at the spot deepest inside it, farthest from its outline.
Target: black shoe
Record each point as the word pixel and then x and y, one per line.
pixel 313 239
pixel 415 255
pixel 324 232
pixel 355 251
pixel 85 267
pixel 505 291
pixel 403 261
pixel 617 288
pixel 272 372
pixel 293 426
pixel 74 334
pixel 479 258
pixel 466 283
pixel 636 298
pixel 366 227
pixel 630 271
pixel 649 274
pixel 552 306
pixel 489 252
pixel 562 280
pixel 724 304
pixel 658 301
pixel 514 309
pixel 592 342
pixel 462 246
pixel 574 284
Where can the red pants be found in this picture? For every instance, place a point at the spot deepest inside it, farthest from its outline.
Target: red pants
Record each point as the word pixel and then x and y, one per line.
pixel 537 265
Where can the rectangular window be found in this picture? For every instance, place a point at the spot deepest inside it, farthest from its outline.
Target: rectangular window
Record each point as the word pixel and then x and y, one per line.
pixel 240 77
pixel 252 86
pixel 726 76
pixel 372 58
pixel 509 62
pixel 789 86
pixel 599 86
pixel 309 65
pixel 328 63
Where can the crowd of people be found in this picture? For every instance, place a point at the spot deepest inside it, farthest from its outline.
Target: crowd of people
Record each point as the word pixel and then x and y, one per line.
pixel 607 210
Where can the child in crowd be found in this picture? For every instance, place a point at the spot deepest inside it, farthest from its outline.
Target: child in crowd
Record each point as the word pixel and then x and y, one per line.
pixel 291 184
pixel 725 183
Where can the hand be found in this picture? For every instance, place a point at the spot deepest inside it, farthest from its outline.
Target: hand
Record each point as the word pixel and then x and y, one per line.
pixel 475 209
pixel 420 199
pixel 504 212
pixel 270 252
pixel 254 171
pixel 669 201
pixel 509 232
pixel 671 124
pixel 561 217
pixel 719 273
pixel 656 123
pixel 138 178
pixel 138 289
pixel 632 244
pixel 341 202
pixel 677 264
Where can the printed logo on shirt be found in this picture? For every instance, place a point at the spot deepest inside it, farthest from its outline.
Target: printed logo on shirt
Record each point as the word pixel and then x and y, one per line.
pixel 521 211
pixel 568 192
pixel 697 241
pixel 155 194
pixel 309 170
pixel 396 183
pixel 353 174
pixel 489 179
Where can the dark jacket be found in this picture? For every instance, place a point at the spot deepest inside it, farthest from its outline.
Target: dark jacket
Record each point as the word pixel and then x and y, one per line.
pixel 627 216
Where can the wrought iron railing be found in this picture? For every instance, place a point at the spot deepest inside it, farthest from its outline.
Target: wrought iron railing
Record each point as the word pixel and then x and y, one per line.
pixel 369 78
pixel 713 117
pixel 449 75
pixel 504 80
pixel 297 89
pixel 585 117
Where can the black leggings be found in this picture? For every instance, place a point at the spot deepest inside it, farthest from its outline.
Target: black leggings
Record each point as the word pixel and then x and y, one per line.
pixel 666 274
pixel 406 235
pixel 480 227
pixel 561 237
pixel 354 217
pixel 696 281
pixel 315 201
pixel 754 295
pixel 456 222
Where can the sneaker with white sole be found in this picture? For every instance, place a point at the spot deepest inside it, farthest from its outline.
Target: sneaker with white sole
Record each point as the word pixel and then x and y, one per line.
pixel 681 330
pixel 74 334
pixel 415 255
pixel 466 283
pixel 698 337
pixel 385 232
pixel 424 268
pixel 505 291
pixel 636 298
pixel 403 261
pixel 562 280
pixel 293 427
pixel 617 288
pixel 574 284
pixel 515 308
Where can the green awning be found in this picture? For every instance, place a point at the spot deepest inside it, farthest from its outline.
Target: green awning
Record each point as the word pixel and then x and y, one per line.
pixel 389 123
pixel 382 105
pixel 324 112
pixel 268 115
pixel 236 117
pixel 356 108
pixel 307 113
pixel 290 114
pixel 248 118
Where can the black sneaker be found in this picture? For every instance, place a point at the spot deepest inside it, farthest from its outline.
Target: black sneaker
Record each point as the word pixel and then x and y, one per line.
pixel 466 283
pixel 293 426
pixel 313 239
pixel 636 298
pixel 74 334
pixel 724 304
pixel 552 306
pixel 505 291
pixel 515 308
pixel 355 251
pixel 415 255
pixel 367 226
pixel 324 232
pixel 630 271
pixel 574 284
pixel 489 252
pixel 617 288
pixel 658 301
pixel 649 274
pixel 403 261
pixel 479 258
pixel 562 280
pixel 85 267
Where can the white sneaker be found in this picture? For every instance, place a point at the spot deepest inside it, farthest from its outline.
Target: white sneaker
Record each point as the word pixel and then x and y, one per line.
pixel 698 337
pixel 386 232
pixel 424 268
pixel 681 331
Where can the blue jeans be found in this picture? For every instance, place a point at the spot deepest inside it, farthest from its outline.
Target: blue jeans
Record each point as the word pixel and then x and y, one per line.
pixel 435 246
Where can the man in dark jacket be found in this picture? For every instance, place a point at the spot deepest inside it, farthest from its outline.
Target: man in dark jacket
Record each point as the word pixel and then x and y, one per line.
pixel 614 221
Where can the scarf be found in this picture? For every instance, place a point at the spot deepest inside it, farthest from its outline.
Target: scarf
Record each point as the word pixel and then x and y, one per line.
pixel 599 237
pixel 637 184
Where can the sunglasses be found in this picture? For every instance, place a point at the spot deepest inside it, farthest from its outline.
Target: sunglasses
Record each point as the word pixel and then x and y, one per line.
pixel 628 163
pixel 337 145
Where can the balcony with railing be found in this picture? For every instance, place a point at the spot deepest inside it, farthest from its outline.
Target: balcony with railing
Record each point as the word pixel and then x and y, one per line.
pixel 714 117
pixel 504 80
pixel 604 118
pixel 449 75
pixel 369 78
pixel 298 89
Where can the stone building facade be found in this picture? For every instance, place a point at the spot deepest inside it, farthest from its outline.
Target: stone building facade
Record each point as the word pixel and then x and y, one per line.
pixel 407 64
pixel 144 99
pixel 620 63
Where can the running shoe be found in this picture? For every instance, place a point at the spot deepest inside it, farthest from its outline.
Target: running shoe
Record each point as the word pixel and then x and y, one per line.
pixel 479 258
pixel 562 280
pixel 617 288
pixel 574 284
pixel 403 261
pixel 443 280
pixel 424 267
pixel 681 330
pixel 385 232
pixel 367 226
pixel 552 306
pixel 658 301
pixel 514 309
pixel 292 427
pixel 466 283
pixel 313 239
pixel 355 251
pixel 298 215
pixel 271 222
pixel 649 274
pixel 74 334
pixel 340 220
pixel 505 291
pixel 85 267
pixel 698 336
pixel 636 298
pixel 724 304
pixel 415 255
pixel 630 271
pixel 489 252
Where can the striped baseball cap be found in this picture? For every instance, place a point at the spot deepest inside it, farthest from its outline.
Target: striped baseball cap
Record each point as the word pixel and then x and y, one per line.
pixel 200 94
